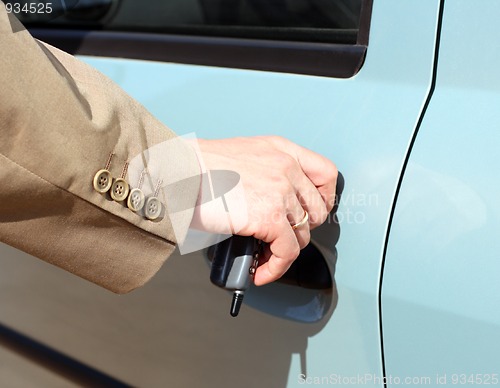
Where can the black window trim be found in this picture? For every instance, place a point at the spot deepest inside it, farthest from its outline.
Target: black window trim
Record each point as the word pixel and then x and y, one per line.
pixel 320 59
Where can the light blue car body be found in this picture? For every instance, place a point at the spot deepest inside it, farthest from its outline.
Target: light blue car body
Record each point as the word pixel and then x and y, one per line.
pixel 441 288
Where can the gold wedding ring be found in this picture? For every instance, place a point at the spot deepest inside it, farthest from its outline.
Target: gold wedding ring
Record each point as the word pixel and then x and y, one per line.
pixel 302 222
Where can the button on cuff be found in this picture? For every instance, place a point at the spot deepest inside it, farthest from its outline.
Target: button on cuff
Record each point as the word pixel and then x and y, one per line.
pixel 102 181
pixel 153 208
pixel 119 190
pixel 136 200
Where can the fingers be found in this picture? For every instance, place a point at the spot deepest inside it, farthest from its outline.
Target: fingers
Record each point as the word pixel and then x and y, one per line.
pixel 312 193
pixel 272 270
pixel 320 170
pixel 311 200
pixel 283 250
pixel 285 247
pixel 295 216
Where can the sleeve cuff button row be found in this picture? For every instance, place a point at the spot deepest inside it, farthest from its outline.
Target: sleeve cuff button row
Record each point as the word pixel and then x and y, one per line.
pixel 120 191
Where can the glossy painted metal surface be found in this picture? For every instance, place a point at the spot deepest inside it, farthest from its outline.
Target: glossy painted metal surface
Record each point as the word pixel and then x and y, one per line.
pixel 441 288
pixel 176 331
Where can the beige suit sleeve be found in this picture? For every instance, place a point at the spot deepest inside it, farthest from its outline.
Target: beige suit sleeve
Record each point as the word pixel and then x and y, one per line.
pixel 59 122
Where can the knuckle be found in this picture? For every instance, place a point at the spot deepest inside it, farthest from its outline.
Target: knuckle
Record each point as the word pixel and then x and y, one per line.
pixel 334 172
pixel 306 238
pixel 281 187
pixel 276 139
pixel 284 160
pixel 295 251
pixel 322 215
pixel 319 212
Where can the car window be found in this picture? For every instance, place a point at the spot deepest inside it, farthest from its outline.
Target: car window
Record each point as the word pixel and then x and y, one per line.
pixel 302 20
pixel 318 37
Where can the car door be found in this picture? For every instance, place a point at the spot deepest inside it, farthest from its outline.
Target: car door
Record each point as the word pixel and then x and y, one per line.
pixel 440 291
pixel 313 85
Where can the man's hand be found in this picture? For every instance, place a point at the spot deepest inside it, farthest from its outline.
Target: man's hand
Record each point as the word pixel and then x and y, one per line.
pixel 281 180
